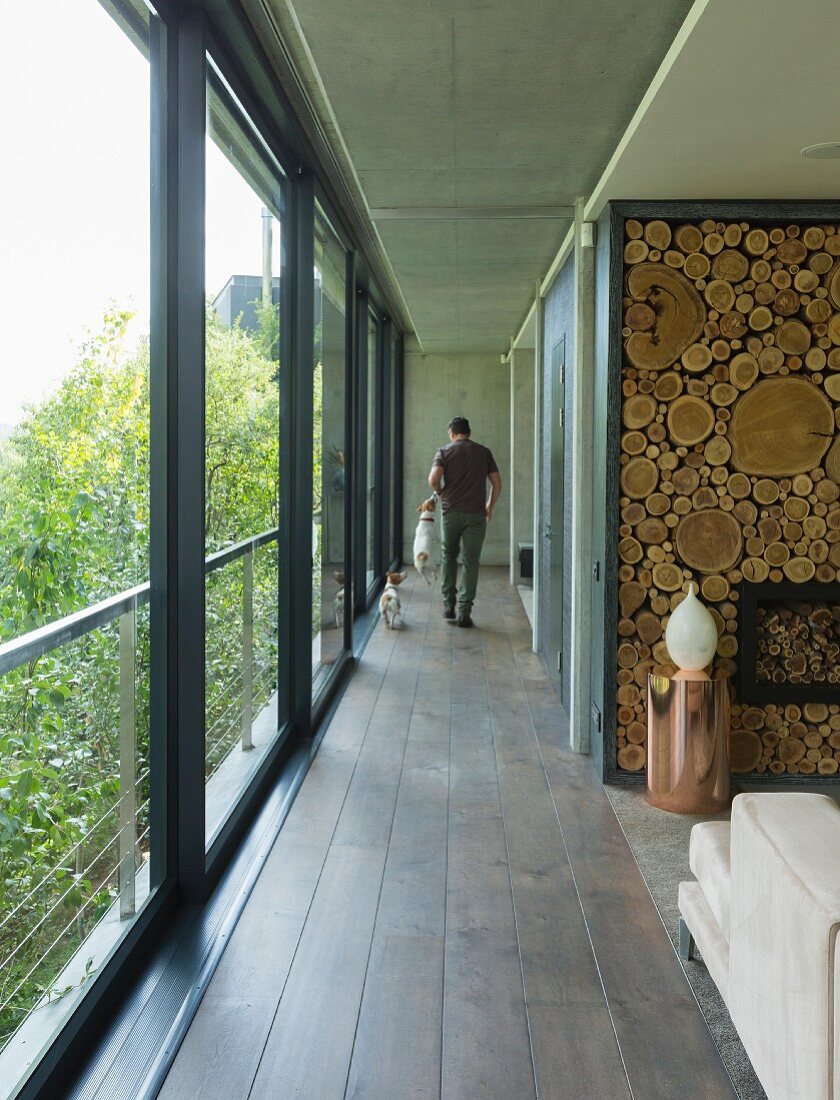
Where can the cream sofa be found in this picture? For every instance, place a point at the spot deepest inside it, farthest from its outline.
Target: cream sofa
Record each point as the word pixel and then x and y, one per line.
pixel 765 912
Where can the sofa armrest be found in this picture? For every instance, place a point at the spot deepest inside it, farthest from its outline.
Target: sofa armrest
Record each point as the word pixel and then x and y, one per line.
pixel 784 920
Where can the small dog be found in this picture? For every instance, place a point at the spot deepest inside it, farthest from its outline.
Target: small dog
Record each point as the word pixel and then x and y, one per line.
pixel 425 542
pixel 389 601
pixel 338 601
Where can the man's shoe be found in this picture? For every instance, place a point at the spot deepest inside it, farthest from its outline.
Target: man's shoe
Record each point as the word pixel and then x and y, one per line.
pixel 465 620
pixel 449 613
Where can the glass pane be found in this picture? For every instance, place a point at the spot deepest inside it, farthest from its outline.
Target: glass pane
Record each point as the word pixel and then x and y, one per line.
pixel 244 204
pixel 74 508
pixel 329 452
pixel 373 429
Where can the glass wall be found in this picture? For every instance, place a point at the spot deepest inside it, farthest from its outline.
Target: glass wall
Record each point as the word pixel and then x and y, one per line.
pixel 374 383
pixel 331 598
pixel 243 217
pixel 106 423
pixel 76 848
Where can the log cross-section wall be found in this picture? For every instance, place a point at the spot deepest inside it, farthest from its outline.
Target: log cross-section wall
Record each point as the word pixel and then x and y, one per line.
pixel 729 463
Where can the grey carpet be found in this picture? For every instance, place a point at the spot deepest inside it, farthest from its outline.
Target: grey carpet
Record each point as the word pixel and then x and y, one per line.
pixel 659 842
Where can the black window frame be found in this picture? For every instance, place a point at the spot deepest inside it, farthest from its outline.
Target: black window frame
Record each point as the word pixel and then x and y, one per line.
pixel 185 875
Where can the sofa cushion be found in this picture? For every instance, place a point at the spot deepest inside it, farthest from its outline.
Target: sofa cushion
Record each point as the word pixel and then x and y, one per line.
pixel 708 857
pixel 783 940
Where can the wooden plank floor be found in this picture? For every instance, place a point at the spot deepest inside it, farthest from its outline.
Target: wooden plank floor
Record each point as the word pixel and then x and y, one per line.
pixel 451 909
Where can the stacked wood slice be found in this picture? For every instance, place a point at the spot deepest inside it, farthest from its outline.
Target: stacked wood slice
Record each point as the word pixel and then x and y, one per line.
pixel 798 643
pixel 730 466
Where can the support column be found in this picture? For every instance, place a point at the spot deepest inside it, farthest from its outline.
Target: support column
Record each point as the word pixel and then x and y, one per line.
pixel 538 446
pixel 512 479
pixel 582 450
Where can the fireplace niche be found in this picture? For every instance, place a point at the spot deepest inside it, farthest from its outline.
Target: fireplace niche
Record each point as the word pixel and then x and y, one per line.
pixel 789 643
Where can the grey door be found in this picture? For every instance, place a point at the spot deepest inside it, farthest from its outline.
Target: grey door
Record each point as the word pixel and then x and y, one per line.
pixel 554 532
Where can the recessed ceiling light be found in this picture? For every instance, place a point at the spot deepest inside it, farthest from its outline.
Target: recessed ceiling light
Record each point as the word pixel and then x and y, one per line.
pixel 825 150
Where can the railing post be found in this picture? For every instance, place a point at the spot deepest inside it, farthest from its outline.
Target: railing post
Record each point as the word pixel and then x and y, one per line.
pixel 128 765
pixel 247 649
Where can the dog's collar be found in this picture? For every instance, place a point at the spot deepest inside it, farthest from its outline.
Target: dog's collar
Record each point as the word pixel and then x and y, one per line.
pixel 427 519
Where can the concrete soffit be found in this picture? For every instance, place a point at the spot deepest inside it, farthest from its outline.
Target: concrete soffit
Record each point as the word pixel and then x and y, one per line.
pixel 279 30
pixel 595 203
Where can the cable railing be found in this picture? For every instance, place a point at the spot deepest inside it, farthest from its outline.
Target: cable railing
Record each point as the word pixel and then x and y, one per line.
pixel 253 683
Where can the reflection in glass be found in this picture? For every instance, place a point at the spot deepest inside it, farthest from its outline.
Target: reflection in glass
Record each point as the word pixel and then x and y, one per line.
pixel 75 836
pixel 330 587
pixel 373 384
pixel 244 202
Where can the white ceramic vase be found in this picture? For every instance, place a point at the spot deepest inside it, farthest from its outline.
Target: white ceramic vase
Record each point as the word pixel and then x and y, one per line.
pixel 691 635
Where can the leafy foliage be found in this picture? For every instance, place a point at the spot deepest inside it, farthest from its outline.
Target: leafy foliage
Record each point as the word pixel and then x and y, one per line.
pixel 74 524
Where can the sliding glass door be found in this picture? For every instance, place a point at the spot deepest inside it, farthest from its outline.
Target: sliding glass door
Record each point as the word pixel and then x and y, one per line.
pixel 244 215
pixel 331 588
pixel 372 442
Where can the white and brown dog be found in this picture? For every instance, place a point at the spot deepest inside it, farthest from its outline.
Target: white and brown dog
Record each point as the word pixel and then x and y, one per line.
pixel 425 542
pixel 338 601
pixel 389 602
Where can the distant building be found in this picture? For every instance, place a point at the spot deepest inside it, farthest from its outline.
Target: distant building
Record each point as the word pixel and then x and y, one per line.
pixel 237 297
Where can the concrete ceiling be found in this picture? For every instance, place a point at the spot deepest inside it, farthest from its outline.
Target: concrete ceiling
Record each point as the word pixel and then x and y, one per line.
pixel 473 103
pixel 750 86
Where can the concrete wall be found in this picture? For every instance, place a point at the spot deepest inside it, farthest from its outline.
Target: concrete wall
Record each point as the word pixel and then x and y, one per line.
pixel 522 451
pixel 438 387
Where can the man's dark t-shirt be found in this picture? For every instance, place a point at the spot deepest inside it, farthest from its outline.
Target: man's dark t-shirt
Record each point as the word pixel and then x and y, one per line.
pixel 466 466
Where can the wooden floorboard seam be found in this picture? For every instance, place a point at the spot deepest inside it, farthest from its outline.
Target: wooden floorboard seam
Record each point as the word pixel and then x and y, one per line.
pixel 323 865
pixel 510 880
pixel 390 833
pixel 571 869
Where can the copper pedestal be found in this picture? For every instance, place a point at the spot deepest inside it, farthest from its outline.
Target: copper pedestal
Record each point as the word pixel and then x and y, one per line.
pixel 688 733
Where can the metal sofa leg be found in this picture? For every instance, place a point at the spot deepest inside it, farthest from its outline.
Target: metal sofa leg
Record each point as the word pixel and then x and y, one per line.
pixel 686 948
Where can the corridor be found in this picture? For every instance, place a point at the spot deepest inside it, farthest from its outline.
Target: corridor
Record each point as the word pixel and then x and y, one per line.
pixel 451 909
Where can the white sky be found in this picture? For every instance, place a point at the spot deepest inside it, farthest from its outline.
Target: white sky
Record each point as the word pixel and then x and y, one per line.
pixel 74 191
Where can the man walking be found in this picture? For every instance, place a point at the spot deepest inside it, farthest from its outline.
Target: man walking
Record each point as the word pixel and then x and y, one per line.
pixel 459 476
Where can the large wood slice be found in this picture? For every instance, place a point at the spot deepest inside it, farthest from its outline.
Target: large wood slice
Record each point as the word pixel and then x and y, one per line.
pixel 690 420
pixel 680 314
pixel 782 426
pixel 639 478
pixel 709 541
pixel 832 461
pixel 834 285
